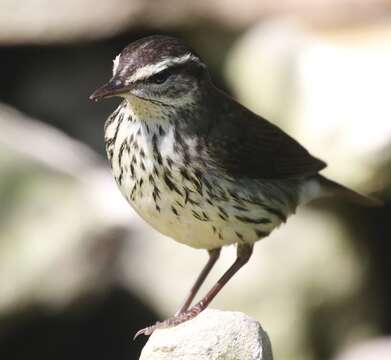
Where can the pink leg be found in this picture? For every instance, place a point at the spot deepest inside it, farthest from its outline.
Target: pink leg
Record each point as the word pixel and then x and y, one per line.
pixel 213 257
pixel 244 252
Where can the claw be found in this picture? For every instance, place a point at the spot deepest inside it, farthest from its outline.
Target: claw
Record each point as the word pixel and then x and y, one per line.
pixel 146 331
pixel 171 322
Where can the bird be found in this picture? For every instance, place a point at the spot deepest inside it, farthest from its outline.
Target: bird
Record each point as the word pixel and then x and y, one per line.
pixel 198 166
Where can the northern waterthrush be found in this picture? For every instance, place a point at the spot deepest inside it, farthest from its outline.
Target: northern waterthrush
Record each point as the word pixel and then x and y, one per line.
pixel 198 166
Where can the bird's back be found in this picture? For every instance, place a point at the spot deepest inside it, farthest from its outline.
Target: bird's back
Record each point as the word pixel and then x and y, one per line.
pixel 247 145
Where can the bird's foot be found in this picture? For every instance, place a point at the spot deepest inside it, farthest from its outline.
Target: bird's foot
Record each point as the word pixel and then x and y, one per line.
pixel 172 321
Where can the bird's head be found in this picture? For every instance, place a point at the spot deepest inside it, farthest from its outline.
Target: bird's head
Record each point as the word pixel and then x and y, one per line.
pixel 157 69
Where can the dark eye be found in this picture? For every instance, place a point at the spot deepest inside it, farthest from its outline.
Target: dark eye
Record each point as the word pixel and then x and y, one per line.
pixel 160 78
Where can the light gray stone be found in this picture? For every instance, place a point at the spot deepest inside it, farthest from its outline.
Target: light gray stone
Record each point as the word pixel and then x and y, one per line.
pixel 213 335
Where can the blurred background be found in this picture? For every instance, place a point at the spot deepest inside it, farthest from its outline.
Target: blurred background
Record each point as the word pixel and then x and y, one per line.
pixel 80 273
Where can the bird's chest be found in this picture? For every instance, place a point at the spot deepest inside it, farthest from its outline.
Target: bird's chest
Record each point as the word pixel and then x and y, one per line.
pixel 154 174
pixel 168 180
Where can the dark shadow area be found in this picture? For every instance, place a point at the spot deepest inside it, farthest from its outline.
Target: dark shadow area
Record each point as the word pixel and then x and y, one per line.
pixel 95 327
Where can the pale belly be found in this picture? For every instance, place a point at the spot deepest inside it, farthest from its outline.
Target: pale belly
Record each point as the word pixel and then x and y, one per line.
pixel 197 219
pixel 183 199
pixel 184 227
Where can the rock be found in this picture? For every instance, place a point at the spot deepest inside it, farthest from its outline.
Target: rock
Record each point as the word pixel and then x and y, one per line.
pixel 214 334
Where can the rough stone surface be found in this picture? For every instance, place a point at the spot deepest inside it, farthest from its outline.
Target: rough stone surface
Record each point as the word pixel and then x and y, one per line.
pixel 213 335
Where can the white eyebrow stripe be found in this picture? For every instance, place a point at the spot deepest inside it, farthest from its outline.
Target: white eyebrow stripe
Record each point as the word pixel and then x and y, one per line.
pixel 115 64
pixel 152 69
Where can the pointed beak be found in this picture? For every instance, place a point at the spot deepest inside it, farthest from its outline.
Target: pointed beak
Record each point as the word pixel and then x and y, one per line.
pixel 114 87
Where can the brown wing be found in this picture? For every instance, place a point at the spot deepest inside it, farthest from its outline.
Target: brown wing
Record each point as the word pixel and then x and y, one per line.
pixel 246 145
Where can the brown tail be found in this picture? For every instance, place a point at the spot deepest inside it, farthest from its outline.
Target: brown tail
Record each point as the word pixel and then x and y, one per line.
pixel 333 188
